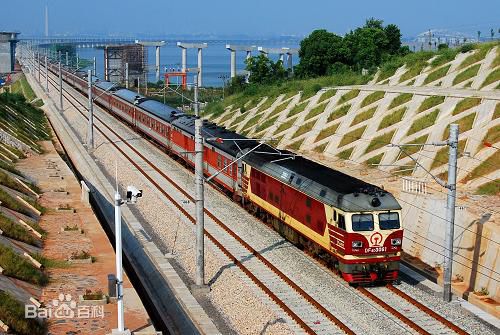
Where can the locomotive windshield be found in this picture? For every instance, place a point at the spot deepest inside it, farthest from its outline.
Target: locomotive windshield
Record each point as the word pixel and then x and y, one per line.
pixel 388 221
pixel 362 222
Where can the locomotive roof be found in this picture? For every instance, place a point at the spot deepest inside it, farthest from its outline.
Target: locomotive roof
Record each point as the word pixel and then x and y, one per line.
pixel 128 95
pixel 161 110
pixel 327 185
pixel 105 85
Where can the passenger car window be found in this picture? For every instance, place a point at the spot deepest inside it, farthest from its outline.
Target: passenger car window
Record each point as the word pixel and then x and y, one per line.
pixel 389 221
pixel 362 222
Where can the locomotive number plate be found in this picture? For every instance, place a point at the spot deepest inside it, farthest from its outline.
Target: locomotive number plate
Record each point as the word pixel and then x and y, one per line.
pixel 375 249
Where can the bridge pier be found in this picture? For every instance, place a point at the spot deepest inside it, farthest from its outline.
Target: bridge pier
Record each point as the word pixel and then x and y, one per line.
pixel 200 47
pixel 233 49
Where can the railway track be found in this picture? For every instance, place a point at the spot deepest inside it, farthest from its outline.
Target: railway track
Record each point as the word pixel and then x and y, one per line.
pixel 304 310
pixel 308 314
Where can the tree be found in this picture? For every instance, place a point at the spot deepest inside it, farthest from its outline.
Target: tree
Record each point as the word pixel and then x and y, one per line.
pixel 318 52
pixel 393 38
pixel 263 70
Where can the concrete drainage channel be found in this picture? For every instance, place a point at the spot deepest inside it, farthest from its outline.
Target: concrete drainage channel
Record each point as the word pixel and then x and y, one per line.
pixel 146 266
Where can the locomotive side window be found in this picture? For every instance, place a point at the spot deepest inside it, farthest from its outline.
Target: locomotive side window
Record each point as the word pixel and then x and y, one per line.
pixel 219 160
pixel 308 202
pixel 341 222
pixel 362 222
pixel 334 215
pixel 388 221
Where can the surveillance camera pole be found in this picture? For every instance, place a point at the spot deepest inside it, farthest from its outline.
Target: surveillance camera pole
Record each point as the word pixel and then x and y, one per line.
pixel 90 130
pixel 199 193
pixel 450 211
pixel 119 270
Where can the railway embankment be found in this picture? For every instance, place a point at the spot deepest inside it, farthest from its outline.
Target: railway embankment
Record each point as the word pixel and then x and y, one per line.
pixel 168 300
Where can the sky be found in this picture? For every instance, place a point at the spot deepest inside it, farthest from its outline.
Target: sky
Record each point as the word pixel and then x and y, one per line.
pixel 254 18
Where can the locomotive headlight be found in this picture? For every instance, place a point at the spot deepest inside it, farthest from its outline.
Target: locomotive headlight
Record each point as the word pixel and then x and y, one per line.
pixel 357 244
pixel 395 241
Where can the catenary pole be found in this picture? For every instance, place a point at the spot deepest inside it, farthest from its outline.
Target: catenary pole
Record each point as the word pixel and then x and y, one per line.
pixel 61 108
pixel 119 271
pixel 199 192
pixel 90 130
pixel 46 74
pixel 450 211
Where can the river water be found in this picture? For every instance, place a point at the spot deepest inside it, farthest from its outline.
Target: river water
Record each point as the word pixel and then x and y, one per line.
pixel 216 58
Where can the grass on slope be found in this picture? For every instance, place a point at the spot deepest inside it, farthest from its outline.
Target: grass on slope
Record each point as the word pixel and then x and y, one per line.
pixel 285 125
pixel 18 267
pixel 13 314
pixel 316 111
pixel 352 136
pixel 467 74
pixel 280 108
pixel 493 135
pixel 369 99
pixel 430 102
pixel 445 56
pixel 464 124
pixel 266 124
pixel 437 74
pixel 375 160
pixel 363 116
pixel 400 99
pixel 304 129
pixel 327 95
pixel 268 103
pixel 339 112
pixel 346 154
pixel 478 55
pixel 416 65
pixel 496 113
pixel 389 68
pixel 349 96
pixel 486 167
pixel 297 109
pixel 296 145
pixel 252 122
pixel 490 188
pixel 327 132
pixel 238 120
pixel 321 148
pixel 441 157
pixel 15 231
pixel 392 118
pixel 380 141
pixel 423 122
pixel 466 104
pixel 412 149
pixel 494 76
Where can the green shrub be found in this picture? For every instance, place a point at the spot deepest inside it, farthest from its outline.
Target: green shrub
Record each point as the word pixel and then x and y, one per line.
pixel 466 104
pixel 380 141
pixel 392 118
pixel 464 75
pixel 213 108
pixel 18 267
pixel 400 99
pixel 431 102
pixel 423 122
pixel 339 112
pixel 375 96
pixel 12 313
pixel 437 74
pixel 352 136
pixel 327 132
pixel 363 116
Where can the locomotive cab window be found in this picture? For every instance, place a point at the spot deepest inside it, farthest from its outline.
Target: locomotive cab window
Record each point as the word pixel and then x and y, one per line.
pixel 362 222
pixel 341 222
pixel 389 221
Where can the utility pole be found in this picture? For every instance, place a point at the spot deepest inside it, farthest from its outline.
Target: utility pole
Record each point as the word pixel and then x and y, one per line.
pixel 450 211
pixel 38 62
pixel 46 75
pixel 119 271
pixel 60 89
pixel 67 59
pixel 90 130
pixel 94 67
pixel 138 85
pixel 77 62
pixel 199 193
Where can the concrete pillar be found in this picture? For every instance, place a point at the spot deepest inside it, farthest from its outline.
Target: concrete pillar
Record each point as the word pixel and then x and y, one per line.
pixel 200 64
pixel 183 59
pixel 282 58
pixel 126 75
pixel 157 63
pixel 289 61
pixel 249 54
pixel 233 63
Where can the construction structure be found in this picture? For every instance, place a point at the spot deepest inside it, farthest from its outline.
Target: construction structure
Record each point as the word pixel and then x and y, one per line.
pixel 116 58
pixel 200 47
pixel 289 52
pixel 157 45
pixel 233 48
pixel 8 41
